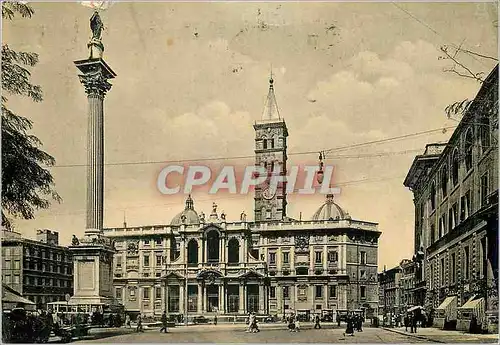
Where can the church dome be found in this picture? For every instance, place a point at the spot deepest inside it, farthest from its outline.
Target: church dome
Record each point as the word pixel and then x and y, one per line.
pixel 330 211
pixel 188 217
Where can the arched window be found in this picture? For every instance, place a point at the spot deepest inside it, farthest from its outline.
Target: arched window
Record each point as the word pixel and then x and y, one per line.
pixel 469 144
pixel 233 249
pixel 192 254
pixel 455 164
pixel 444 180
pixel 265 143
pixel 484 133
pixel 433 196
pixel 174 251
pixel 213 246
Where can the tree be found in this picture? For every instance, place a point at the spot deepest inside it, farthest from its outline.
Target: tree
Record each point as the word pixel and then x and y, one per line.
pixel 458 67
pixel 27 185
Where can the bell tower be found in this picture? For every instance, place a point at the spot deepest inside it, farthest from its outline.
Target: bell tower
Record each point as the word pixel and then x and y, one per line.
pixel 270 152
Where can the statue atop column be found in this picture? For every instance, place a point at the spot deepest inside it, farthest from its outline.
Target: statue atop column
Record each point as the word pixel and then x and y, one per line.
pixel 95 45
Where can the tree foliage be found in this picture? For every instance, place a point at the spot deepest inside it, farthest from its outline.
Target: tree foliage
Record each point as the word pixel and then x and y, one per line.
pixel 27 185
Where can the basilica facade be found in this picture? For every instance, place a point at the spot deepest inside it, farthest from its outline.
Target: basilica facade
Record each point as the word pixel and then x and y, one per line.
pixel 271 265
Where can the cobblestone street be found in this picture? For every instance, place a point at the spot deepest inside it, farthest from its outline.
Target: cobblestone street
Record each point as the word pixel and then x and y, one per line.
pixel 279 334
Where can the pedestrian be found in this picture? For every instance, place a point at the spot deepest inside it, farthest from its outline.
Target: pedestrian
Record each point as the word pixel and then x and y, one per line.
pixel 297 325
pixel 406 321
pixel 316 322
pixel 360 323
pixel 413 323
pixel 163 322
pixel 139 324
pixel 215 320
pixel 291 323
pixel 127 321
pixel 350 325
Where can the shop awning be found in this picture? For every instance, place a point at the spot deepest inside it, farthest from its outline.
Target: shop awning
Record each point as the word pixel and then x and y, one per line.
pixel 13 297
pixel 473 304
pixel 448 301
pixel 417 307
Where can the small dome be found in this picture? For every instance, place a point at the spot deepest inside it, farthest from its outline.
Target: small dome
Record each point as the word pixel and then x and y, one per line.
pixel 189 215
pixel 330 211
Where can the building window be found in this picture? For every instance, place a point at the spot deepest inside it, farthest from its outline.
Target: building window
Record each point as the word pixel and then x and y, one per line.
pixel 362 274
pixel 8 279
pixel 192 252
pixel 268 214
pixel 454 208
pixel 450 219
pixel 444 180
pixel 159 241
pixel 466 263
pixel 453 268
pixel 118 293
pixel 158 260
pixel 319 257
pixel 455 167
pixel 145 293
pixel 333 256
pixel 442 282
pixel 469 144
pixel 286 257
pixel 173 299
pixel 484 189
pixel 433 233
pixel 362 291
pixel 146 242
pixel 362 257
pixel 333 291
pixel 233 249
pixel 319 291
pixel 302 271
pixel 433 196
pixel 272 292
pixel 272 258
pixel 484 132
pixel 17 264
pixel 146 260
pixel 118 261
pixel 286 292
pixel 265 144
pixel 158 292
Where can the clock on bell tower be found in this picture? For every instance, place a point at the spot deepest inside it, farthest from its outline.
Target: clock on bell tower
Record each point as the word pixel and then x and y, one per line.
pixel 270 152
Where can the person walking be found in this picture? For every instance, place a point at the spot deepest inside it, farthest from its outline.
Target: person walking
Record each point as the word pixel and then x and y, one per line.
pixel 127 321
pixel 139 324
pixel 316 322
pixel 291 323
pixel 350 325
pixel 163 322
pixel 215 320
pixel 414 321
pixel 297 325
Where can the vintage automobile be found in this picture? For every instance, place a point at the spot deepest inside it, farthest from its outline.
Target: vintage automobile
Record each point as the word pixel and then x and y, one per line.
pixel 200 320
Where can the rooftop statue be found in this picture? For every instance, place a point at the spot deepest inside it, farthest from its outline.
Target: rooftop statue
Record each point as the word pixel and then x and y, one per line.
pixel 96 26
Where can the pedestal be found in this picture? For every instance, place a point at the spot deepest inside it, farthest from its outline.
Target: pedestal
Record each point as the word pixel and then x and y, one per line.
pixel 93 272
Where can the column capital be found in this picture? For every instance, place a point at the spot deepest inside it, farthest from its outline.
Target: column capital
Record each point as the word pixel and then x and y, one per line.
pixel 95 76
pixel 95 83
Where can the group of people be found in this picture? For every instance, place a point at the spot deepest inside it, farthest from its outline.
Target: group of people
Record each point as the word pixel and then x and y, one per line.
pixel 411 320
pixel 293 323
pixel 354 323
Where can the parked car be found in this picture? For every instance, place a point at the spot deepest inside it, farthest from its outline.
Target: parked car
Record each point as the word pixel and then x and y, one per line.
pixel 327 318
pixel 200 319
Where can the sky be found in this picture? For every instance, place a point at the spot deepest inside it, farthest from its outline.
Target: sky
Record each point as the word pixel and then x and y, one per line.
pixel 192 78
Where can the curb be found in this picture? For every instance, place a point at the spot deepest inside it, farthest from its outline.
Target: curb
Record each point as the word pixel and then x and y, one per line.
pixel 413 335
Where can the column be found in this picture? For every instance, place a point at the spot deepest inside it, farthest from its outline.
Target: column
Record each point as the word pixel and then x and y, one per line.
pixel 200 299
pixel 94 78
pixel 205 299
pixel 261 299
pixel 182 298
pixel 241 305
pixel 200 253
pixel 222 298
